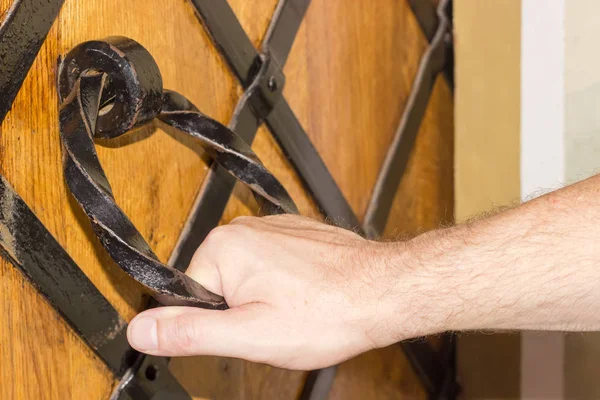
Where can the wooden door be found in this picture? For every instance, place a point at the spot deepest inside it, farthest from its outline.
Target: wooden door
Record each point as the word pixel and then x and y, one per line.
pixel 348 78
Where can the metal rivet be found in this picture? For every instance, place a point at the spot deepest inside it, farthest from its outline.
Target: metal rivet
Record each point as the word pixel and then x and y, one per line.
pixel 272 84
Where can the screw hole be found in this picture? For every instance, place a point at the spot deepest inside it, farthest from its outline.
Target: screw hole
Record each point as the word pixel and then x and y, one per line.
pixel 151 372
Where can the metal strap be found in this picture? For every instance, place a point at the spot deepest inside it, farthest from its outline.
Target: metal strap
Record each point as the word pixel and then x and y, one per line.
pixel 285 23
pixel 318 384
pixel 149 379
pixel 27 244
pixel 426 14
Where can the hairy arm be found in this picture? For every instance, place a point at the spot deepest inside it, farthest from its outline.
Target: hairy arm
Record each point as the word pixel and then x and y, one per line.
pixel 305 295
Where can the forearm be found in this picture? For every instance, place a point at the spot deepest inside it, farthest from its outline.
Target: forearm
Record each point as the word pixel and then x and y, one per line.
pixel 536 266
pixel 305 295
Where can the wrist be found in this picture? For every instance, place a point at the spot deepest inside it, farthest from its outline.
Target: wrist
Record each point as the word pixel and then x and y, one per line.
pixel 447 280
pixel 410 298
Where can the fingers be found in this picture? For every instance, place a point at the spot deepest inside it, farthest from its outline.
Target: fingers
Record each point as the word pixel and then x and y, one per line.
pixel 184 331
pixel 230 254
pixel 220 253
pixel 204 271
pixel 212 258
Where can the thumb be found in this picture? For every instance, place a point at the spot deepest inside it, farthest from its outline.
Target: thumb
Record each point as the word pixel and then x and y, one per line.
pixel 183 331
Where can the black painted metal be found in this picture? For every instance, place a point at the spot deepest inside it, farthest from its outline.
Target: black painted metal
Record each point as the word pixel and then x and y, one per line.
pixel 318 384
pixel 435 368
pixel 431 366
pixel 427 16
pixel 285 22
pixel 149 379
pixel 228 36
pixel 79 119
pixel 24 28
pixel 450 388
pixel 132 95
pixel 119 76
pixel 119 72
pixel 229 151
pixel 27 244
pixel 397 156
pixel 238 51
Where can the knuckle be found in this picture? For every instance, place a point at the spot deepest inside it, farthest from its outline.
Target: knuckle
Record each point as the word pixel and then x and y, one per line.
pixel 283 218
pixel 226 233
pixel 185 332
pixel 275 217
pixel 179 334
pixel 221 240
pixel 243 219
pixel 216 237
pixel 237 232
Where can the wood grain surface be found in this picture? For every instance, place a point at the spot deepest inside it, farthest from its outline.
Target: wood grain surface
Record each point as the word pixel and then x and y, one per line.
pixel 348 78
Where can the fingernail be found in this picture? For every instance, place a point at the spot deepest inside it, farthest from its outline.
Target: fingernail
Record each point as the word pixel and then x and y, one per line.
pixel 142 334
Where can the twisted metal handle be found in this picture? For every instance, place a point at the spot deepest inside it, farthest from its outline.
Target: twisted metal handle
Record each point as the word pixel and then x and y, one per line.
pixel 229 150
pixel 108 88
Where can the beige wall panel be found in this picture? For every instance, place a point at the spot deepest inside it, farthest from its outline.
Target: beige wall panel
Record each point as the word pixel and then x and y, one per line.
pixel 487 112
pixel 487 105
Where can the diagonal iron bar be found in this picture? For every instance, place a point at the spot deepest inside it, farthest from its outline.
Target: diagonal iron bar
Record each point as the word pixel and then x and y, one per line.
pixel 27 244
pixel 22 32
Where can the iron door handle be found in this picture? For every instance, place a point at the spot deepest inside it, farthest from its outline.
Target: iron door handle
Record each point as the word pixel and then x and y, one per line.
pixel 109 87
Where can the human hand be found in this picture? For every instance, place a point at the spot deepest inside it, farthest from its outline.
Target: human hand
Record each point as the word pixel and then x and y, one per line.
pixel 302 295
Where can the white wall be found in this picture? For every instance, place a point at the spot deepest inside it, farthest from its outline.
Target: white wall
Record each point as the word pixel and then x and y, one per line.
pixel 582 85
pixel 560 143
pixel 542 164
pixel 582 159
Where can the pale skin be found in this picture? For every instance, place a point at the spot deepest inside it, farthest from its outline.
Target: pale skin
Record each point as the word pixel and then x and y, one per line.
pixel 306 295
